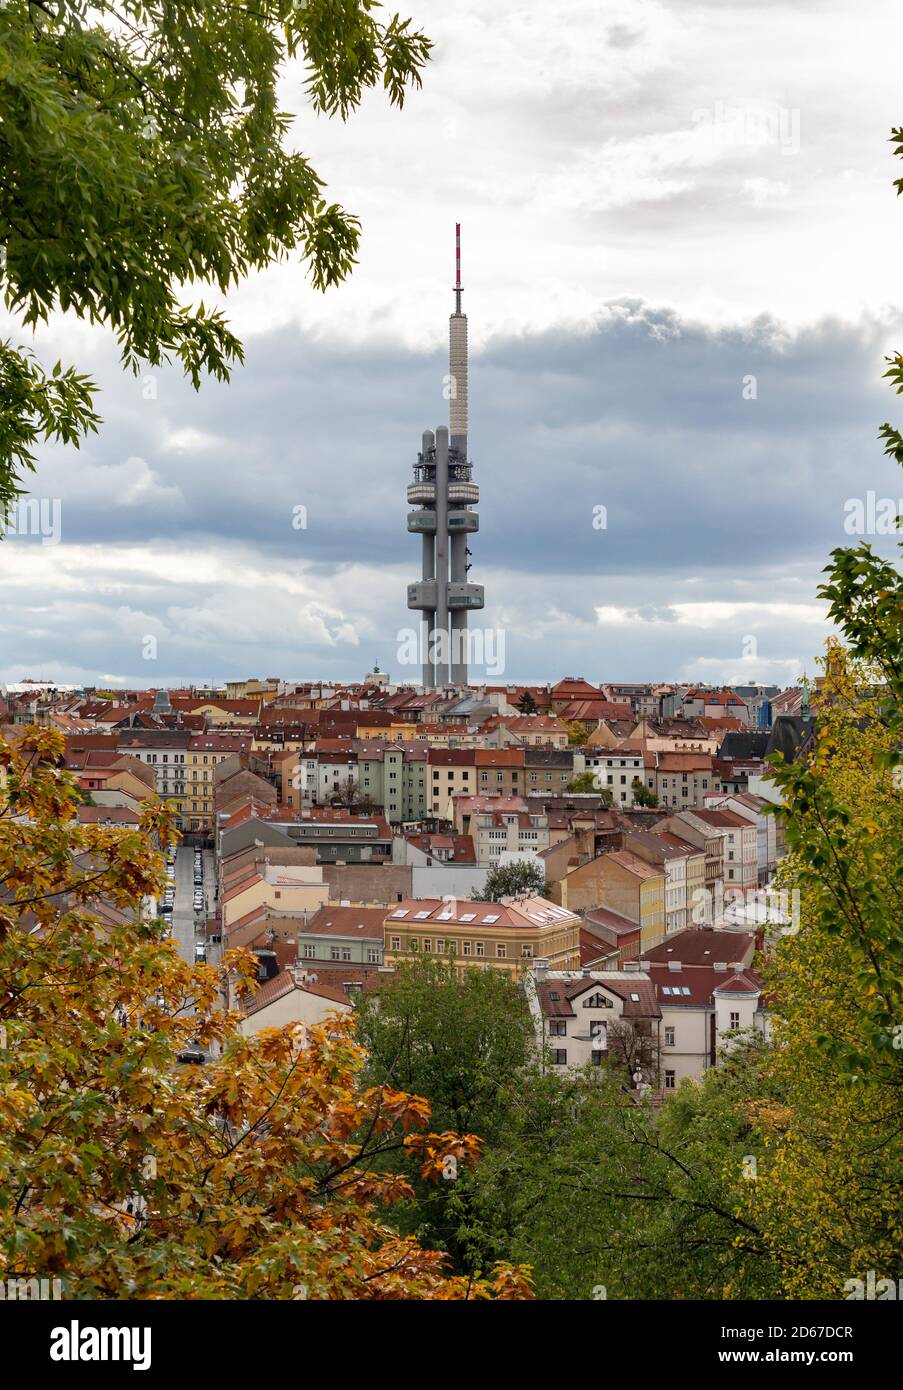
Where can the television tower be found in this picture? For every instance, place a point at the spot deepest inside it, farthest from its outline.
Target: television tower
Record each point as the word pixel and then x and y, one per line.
pixel 444 495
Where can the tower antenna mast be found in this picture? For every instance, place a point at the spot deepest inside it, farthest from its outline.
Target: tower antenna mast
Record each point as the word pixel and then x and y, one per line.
pixel 457 267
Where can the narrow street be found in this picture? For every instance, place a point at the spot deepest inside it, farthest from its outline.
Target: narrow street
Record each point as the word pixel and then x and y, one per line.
pixel 186 931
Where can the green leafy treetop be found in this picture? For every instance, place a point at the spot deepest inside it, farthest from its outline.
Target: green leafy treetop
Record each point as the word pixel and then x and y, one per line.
pixel 519 879
pixel 143 151
pixel 585 782
pixel 643 795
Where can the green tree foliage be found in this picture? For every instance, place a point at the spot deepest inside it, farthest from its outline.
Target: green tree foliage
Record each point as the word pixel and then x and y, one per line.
pixel 602 1193
pixel 589 782
pixel 576 1179
pixel 464 1041
pixel 143 151
pixel 519 879
pixel 643 795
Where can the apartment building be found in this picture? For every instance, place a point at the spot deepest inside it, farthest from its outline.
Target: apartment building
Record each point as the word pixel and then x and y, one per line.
pixel 165 752
pixel 204 753
pixel 451 772
pixel 644 700
pixel 395 777
pixel 616 770
pixel 294 995
pixel 740 853
pixel 499 771
pixel 715 704
pixel 295 890
pixel 683 779
pixel 673 858
pixel 549 770
pixel 340 935
pixel 702 836
pixel 636 890
pixel 336 762
pixel 575 1014
pixel 465 808
pixel 527 730
pixel 688 1004
pixel 495 833
pixel 708 993
pixel 503 936
pixel 754 809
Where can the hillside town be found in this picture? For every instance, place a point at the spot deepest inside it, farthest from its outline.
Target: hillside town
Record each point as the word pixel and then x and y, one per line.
pixel 336 832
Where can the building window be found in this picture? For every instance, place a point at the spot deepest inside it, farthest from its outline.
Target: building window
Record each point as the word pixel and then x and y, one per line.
pixel 669 1037
pixel 597 1028
pixel 560 1057
pixel 735 1020
pixel 466 948
pixel 670 1080
pixel 395 943
pixel 481 950
pixel 427 945
pixel 310 952
pixel 372 955
pixel 558 1027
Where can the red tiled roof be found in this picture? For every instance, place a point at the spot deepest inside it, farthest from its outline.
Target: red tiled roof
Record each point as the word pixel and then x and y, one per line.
pixel 333 920
pixel 702 946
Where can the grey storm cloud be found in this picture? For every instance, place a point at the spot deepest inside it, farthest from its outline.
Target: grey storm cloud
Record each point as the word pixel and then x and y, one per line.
pixel 706 448
pixel 718 505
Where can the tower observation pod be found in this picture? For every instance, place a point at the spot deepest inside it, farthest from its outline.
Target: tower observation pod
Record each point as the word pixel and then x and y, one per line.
pixel 445 496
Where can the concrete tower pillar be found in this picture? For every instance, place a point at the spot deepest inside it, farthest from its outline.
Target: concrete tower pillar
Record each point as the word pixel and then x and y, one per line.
pixel 442 538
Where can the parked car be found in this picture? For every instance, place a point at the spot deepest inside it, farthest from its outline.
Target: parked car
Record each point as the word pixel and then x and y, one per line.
pixel 192 1057
pixel 200 953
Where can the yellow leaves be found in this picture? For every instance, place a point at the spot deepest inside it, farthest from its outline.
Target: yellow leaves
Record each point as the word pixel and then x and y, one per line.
pixel 442 1154
pixel 258 1158
pixel 511 1281
pixel 768 1115
pixel 16 1104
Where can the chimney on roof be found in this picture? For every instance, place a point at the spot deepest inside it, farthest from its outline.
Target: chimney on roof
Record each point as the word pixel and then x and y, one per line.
pixel 540 967
pixel 720 966
pixel 675 965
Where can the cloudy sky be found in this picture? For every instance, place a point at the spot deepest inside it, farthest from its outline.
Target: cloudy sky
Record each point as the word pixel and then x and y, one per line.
pixel 679 240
